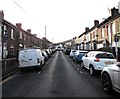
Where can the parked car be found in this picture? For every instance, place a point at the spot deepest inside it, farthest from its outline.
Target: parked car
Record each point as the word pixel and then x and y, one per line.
pixel 58 48
pixel 67 51
pixel 113 50
pixel 72 53
pixel 48 52
pixel 97 60
pixel 110 77
pixel 45 55
pixel 30 58
pixel 78 55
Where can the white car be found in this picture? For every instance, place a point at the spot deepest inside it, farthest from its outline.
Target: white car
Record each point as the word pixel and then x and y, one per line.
pixel 97 60
pixel 110 77
pixel 72 53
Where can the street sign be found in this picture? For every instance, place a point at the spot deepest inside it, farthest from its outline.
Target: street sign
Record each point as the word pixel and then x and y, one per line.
pixel 116 39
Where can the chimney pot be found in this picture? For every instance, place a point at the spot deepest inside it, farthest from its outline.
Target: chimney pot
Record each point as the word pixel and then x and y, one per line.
pixel 96 22
pixel 86 29
pixel 114 11
pixel 19 25
pixel 29 30
pixel 2 14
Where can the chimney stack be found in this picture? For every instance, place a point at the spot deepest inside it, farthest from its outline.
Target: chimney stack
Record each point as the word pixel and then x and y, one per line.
pixel 29 31
pixel 35 35
pixel 86 29
pixel 19 25
pixel 96 22
pixel 114 11
pixel 1 14
pixel 119 6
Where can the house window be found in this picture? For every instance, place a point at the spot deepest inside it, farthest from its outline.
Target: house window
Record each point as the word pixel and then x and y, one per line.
pixel 93 34
pixel 20 35
pixel 107 31
pixel 12 34
pixel 5 28
pixel 12 53
pixel 101 33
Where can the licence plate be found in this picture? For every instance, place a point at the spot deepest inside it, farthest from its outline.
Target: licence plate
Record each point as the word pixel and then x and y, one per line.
pixel 109 62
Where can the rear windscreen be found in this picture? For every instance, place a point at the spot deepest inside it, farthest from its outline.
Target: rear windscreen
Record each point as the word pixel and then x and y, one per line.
pixel 73 51
pixel 105 55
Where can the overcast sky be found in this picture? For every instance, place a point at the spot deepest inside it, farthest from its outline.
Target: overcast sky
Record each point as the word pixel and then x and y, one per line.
pixel 64 19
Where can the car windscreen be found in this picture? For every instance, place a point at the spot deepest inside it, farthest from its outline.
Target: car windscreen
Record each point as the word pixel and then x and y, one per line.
pixel 83 53
pixel 73 51
pixel 105 55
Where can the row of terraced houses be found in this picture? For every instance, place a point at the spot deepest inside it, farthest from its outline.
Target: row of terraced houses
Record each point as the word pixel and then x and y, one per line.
pixel 13 38
pixel 100 35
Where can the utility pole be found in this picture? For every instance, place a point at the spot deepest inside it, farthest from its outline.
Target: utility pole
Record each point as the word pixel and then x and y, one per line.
pixel 45 36
pixel 52 39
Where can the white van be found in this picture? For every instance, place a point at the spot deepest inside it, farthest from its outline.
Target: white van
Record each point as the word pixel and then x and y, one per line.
pixel 30 58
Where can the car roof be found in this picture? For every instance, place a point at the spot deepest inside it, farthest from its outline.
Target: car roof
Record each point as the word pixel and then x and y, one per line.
pixel 73 50
pixel 80 51
pixel 96 52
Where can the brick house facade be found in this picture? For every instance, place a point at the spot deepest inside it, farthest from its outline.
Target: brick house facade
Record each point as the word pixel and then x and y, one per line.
pixel 17 38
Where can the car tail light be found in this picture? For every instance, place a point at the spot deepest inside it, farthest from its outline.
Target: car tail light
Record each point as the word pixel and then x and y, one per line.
pixel 97 60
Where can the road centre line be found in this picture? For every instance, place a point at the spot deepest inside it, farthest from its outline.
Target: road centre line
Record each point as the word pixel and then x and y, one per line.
pixel 76 67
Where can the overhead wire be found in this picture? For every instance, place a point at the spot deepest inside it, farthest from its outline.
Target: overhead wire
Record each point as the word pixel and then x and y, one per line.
pixel 23 9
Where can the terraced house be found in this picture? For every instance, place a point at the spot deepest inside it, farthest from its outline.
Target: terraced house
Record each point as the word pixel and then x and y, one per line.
pixel 108 28
pixel 101 34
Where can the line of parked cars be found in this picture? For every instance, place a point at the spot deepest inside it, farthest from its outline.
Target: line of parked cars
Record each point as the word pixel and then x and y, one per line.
pixel 33 58
pixel 104 62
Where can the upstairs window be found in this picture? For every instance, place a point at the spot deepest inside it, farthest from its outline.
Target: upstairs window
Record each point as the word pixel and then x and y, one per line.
pixel 93 34
pixel 12 34
pixel 107 31
pixel 20 35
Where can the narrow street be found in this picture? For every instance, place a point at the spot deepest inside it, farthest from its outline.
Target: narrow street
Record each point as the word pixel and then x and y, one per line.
pixel 60 77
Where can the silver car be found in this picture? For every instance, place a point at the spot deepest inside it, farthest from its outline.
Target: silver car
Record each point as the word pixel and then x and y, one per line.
pixel 110 77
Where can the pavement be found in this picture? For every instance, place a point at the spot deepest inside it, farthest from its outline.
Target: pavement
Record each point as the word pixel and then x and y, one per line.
pixel 11 69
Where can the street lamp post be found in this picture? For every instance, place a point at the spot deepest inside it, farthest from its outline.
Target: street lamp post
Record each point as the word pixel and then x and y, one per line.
pixel 45 37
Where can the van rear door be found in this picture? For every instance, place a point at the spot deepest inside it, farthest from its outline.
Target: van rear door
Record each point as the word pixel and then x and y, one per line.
pixel 27 58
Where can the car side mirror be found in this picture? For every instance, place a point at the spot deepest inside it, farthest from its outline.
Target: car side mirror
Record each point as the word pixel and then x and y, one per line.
pixel 86 55
pixel 118 64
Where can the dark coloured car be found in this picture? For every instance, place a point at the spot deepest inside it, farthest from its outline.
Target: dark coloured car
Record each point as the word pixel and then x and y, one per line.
pixel 78 55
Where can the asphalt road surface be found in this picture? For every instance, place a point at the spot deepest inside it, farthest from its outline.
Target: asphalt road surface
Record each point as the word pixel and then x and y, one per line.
pixel 60 77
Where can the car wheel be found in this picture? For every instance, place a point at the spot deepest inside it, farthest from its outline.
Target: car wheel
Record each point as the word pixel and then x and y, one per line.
pixel 91 70
pixel 76 61
pixel 21 70
pixel 106 83
pixel 73 59
pixel 82 65
pixel 40 66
